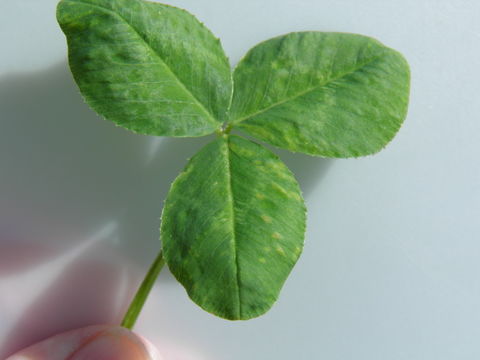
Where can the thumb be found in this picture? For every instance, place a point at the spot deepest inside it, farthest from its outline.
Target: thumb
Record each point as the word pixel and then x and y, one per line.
pixel 91 343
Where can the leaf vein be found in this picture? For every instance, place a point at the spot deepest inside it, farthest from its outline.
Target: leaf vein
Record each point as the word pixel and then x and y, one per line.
pixel 310 89
pixel 232 209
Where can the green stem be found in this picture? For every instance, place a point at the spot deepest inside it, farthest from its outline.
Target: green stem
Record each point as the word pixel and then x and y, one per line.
pixel 142 293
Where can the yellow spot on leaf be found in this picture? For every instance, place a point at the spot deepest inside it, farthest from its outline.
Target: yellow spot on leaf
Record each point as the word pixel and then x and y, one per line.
pixel 276 235
pixel 266 218
pixel 262 260
pixel 295 196
pixel 259 196
pixel 280 189
pixel 280 250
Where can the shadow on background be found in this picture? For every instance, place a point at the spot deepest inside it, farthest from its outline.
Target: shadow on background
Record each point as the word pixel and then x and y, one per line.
pixel 65 172
pixel 85 293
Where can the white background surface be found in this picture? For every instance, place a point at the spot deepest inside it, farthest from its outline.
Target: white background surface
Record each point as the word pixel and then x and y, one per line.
pixel 391 264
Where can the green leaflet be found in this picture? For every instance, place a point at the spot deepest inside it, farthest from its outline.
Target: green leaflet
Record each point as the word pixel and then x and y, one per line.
pixel 150 68
pixel 327 94
pixel 233 227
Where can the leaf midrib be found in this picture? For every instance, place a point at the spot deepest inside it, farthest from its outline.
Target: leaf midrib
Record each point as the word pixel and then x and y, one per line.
pixel 311 89
pixel 180 83
pixel 234 237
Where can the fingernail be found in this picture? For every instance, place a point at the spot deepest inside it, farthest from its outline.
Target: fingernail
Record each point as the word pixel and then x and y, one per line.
pixel 112 344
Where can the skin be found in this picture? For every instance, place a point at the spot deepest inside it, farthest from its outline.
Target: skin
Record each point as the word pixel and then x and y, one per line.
pixel 100 342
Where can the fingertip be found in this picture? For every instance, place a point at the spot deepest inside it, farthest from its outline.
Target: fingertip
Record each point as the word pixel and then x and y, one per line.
pixel 92 343
pixel 112 344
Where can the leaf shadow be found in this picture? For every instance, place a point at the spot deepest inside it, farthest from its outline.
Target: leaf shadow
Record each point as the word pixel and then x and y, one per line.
pixel 65 172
